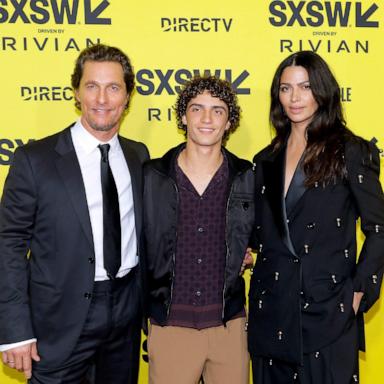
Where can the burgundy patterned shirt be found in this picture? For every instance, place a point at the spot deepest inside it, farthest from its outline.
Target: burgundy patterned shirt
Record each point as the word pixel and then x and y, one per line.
pixel 197 300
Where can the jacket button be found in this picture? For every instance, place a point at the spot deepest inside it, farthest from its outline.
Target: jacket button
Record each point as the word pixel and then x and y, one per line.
pixel 88 295
pixel 311 225
pixel 91 260
pixel 245 205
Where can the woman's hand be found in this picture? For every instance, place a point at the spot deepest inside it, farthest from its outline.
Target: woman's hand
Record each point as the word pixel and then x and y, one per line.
pixel 357 296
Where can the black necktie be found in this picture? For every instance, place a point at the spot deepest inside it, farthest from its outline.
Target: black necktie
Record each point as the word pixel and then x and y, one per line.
pixel 111 216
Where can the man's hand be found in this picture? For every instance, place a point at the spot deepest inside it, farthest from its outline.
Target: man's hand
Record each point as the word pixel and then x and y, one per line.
pixel 247 262
pixel 21 357
pixel 357 296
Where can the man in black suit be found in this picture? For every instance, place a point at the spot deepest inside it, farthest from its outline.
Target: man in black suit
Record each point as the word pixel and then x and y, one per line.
pixel 70 222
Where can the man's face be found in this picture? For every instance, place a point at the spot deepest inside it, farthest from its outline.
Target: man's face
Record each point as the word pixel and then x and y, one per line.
pixel 206 119
pixel 102 95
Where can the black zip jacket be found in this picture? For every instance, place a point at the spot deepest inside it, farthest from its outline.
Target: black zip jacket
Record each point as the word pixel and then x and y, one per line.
pixel 161 203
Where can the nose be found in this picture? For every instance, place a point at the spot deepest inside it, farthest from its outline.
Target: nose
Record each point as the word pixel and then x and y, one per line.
pixel 101 96
pixel 206 116
pixel 295 94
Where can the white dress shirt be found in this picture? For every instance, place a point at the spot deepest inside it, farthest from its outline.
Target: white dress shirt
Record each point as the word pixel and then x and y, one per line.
pixel 89 156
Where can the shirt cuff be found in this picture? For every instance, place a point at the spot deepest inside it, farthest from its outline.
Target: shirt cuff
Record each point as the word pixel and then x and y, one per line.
pixel 6 347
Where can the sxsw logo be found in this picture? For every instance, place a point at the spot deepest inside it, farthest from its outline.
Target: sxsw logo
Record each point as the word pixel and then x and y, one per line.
pixel 196 24
pixel 319 13
pixel 158 82
pixel 46 93
pixel 54 11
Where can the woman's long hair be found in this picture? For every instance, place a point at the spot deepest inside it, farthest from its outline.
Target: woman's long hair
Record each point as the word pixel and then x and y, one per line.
pixel 323 160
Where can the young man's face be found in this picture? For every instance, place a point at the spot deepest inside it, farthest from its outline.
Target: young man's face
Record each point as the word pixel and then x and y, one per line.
pixel 206 119
pixel 102 95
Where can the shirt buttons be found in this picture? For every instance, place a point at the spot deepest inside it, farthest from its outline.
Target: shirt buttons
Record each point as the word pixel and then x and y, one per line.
pixel 200 229
pixel 199 260
pixel 198 293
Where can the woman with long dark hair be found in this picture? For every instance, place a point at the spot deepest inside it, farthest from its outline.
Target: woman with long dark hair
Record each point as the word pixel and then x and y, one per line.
pixel 315 179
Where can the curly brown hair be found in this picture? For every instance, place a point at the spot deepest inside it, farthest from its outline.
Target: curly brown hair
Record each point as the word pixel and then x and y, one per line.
pixel 219 88
pixel 101 53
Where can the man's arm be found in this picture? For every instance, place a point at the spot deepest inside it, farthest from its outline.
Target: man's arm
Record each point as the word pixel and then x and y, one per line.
pixel 17 216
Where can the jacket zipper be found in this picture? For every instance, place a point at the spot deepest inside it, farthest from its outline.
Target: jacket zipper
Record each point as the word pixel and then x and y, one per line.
pixel 174 253
pixel 226 245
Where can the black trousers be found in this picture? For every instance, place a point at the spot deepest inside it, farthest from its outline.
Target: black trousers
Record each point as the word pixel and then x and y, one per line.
pixel 108 349
pixel 336 363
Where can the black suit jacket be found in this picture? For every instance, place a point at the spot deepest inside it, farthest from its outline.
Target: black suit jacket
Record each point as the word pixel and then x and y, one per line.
pixel 46 248
pixel 303 282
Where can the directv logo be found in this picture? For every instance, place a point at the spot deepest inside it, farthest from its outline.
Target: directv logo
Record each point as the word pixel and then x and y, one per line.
pixel 196 24
pixel 46 93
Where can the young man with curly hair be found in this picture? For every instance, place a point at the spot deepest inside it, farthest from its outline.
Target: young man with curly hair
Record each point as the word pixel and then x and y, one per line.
pixel 198 203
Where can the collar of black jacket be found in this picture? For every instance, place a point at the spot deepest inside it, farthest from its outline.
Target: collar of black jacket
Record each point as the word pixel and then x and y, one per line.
pixel 166 164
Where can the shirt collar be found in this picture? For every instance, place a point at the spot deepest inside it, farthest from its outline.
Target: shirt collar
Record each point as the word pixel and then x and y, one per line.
pixel 87 142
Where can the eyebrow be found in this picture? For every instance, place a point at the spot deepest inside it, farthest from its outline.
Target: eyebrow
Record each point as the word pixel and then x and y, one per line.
pixel 98 83
pixel 301 83
pixel 203 106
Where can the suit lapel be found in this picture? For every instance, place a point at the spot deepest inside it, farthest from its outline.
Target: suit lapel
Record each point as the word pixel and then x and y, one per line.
pixel 296 189
pixel 69 170
pixel 274 186
pixel 135 170
pixel 273 170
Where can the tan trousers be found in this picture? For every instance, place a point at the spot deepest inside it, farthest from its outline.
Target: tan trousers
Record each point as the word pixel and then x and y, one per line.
pixel 180 355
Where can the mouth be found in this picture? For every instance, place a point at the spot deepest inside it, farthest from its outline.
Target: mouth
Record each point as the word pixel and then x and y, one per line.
pixel 296 110
pixel 206 130
pixel 101 110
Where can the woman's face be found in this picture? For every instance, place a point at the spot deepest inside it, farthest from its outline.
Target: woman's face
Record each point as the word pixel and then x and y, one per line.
pixel 296 96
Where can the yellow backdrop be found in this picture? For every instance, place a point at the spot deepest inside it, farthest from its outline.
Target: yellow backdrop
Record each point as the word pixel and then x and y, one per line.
pixel 170 40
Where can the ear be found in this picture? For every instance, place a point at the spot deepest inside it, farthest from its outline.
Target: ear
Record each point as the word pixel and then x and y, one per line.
pixel 77 97
pixel 184 120
pixel 227 126
pixel 126 101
